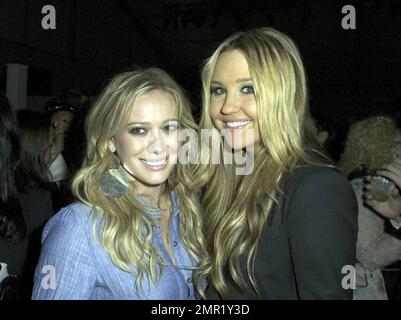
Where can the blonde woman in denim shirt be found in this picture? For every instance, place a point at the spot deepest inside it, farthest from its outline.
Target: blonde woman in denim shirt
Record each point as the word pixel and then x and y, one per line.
pixel 135 230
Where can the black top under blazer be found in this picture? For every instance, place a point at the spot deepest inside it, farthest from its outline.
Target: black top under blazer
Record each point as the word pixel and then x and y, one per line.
pixel 310 236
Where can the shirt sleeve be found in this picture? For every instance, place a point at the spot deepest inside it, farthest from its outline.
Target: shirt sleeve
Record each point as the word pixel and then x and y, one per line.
pixel 322 232
pixel 65 268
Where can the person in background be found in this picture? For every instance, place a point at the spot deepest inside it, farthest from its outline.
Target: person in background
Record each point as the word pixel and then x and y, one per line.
pixel 74 151
pixel 370 144
pixel 13 244
pixel 391 208
pixel 61 118
pixel 33 181
pixel 68 111
pixel 12 222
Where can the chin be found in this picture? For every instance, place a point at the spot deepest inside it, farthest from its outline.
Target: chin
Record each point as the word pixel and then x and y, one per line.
pixel 237 141
pixel 154 181
pixel 155 178
pixel 240 146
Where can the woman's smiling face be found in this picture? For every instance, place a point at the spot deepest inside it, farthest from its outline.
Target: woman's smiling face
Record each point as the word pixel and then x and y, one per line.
pixel 232 100
pixel 147 144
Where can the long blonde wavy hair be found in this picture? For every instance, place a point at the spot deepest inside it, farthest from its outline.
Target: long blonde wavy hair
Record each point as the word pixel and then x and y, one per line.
pixel 126 232
pixel 369 144
pixel 237 209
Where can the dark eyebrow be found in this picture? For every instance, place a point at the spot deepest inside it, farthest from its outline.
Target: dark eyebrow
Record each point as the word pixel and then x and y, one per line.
pixel 137 123
pixel 215 82
pixel 148 123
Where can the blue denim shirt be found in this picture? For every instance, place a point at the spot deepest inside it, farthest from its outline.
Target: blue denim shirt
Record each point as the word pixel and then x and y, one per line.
pixel 73 265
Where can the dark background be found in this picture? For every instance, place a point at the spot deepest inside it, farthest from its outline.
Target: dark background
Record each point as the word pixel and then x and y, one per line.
pixel 351 72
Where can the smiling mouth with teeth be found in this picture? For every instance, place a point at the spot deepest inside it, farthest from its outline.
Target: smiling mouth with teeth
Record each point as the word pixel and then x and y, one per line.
pixel 236 124
pixel 153 163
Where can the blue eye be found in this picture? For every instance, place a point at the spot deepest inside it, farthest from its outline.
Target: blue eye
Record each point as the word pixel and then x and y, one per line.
pixel 217 91
pixel 138 131
pixel 171 128
pixel 247 90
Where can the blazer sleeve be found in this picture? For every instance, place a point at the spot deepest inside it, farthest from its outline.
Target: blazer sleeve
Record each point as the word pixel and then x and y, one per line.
pixel 322 233
pixel 65 269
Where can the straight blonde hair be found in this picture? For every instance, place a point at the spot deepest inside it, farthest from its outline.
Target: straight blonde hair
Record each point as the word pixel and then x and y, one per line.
pixel 237 210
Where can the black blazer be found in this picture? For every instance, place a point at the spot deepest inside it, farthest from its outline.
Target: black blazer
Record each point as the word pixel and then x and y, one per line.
pixel 309 237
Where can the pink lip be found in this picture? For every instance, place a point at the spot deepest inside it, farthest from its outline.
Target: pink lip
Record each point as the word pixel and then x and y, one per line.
pixel 153 168
pixel 154 160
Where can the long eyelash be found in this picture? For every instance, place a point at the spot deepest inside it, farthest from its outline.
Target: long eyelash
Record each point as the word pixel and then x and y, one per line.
pixel 248 88
pixel 213 90
pixel 135 131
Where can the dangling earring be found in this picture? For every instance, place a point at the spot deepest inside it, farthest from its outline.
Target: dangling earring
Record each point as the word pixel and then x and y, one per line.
pixel 114 182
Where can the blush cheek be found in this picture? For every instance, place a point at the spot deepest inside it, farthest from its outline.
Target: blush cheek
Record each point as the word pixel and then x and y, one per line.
pixel 129 148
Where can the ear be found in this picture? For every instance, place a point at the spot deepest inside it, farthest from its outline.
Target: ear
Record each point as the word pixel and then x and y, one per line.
pixel 111 145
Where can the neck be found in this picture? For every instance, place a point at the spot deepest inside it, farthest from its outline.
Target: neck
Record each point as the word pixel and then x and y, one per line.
pixel 154 195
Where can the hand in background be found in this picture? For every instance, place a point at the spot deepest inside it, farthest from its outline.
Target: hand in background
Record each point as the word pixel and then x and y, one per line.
pixel 392 207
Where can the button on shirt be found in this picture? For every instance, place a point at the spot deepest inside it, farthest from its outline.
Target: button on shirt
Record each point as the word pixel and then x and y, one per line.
pixel 73 265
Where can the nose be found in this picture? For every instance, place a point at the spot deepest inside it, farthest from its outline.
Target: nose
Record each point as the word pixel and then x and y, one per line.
pixel 231 104
pixel 157 143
